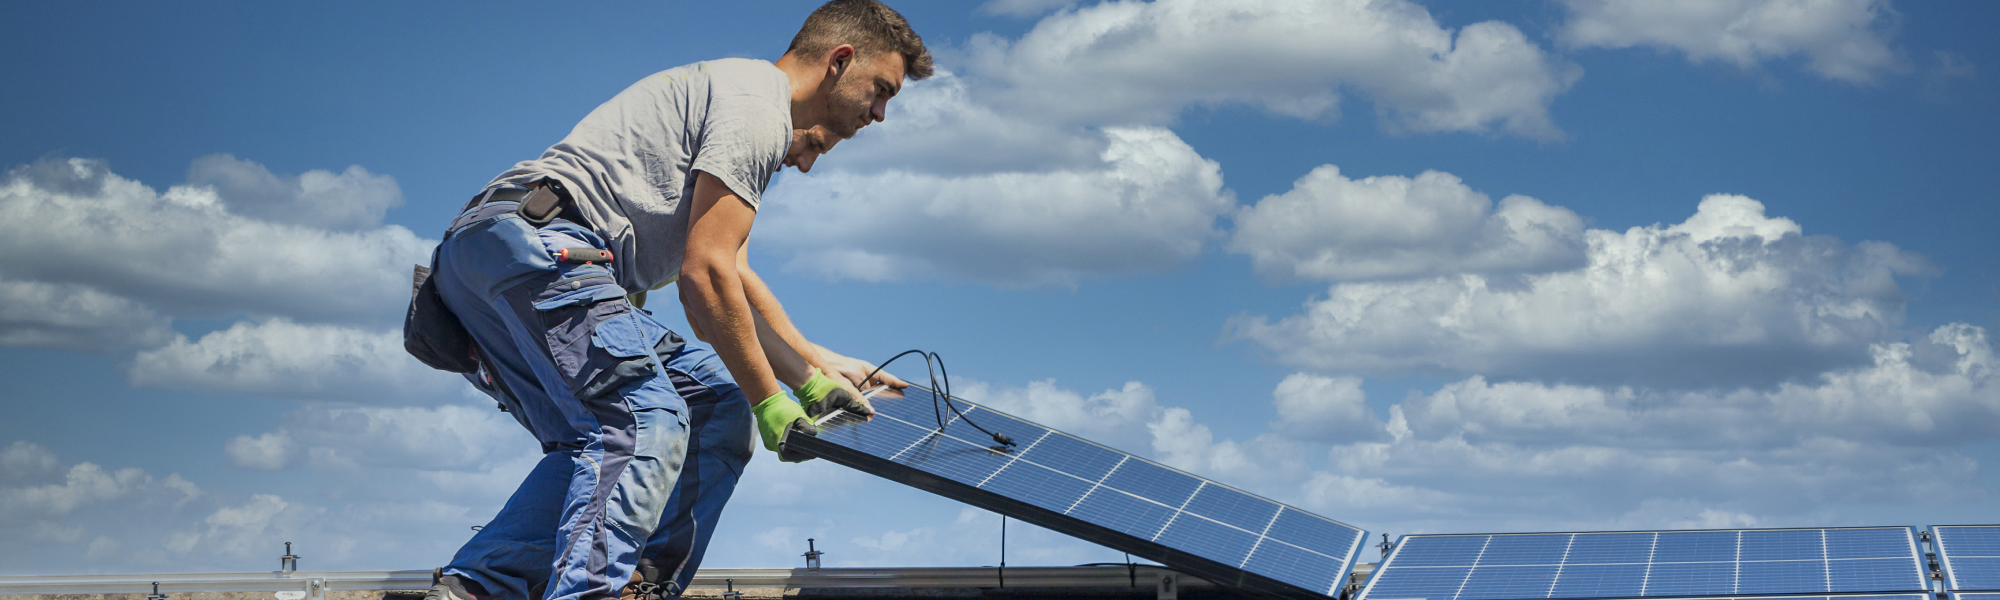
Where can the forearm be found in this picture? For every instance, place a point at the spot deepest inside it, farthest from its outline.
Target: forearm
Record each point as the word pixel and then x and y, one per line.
pixel 786 363
pixel 773 315
pixel 718 307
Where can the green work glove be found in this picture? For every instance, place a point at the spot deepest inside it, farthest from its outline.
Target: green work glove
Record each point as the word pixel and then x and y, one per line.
pixel 821 395
pixel 776 416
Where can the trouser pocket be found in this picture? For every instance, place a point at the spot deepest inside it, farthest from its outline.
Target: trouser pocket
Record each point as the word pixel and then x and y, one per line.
pixel 602 346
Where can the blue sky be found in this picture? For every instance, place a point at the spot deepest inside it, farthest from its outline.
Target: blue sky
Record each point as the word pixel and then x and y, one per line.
pixel 1417 266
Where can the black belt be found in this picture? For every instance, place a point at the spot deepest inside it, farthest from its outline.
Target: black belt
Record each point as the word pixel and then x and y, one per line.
pixel 542 202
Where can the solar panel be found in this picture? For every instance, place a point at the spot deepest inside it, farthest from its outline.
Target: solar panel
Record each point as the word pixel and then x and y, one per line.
pixel 1067 484
pixel 1651 564
pixel 1976 596
pixel 1971 556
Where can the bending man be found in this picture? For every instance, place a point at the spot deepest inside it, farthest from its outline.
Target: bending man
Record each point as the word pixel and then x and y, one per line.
pixel 548 267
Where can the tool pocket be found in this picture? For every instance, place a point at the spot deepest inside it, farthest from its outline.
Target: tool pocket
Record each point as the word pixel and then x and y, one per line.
pixel 601 346
pixel 430 332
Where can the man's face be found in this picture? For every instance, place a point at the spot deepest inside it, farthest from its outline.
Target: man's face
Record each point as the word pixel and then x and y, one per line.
pixel 862 94
pixel 807 145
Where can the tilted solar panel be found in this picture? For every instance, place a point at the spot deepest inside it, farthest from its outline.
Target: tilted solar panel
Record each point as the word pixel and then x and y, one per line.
pixel 1971 556
pixel 1070 485
pixel 1650 564
pixel 1975 596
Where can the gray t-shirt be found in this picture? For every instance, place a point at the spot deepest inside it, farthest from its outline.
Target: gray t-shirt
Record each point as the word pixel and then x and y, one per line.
pixel 630 163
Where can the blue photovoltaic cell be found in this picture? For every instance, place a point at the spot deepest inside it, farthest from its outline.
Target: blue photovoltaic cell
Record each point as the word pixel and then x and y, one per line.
pixel 1245 511
pixel 1691 578
pixel 1285 562
pixel 1123 512
pixel 1208 539
pixel 1530 581
pixel 1434 583
pixel 1525 550
pixel 1976 596
pixel 1695 546
pixel 1441 551
pixel 1791 544
pixel 1781 577
pixel 1759 562
pixel 1971 556
pixel 1611 548
pixel 1038 485
pixel 1311 532
pixel 1086 484
pixel 1153 482
pixel 1600 581
pixel 1881 542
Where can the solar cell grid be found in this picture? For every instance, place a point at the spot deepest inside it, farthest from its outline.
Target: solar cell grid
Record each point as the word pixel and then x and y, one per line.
pixel 1094 492
pixel 1970 555
pixel 1650 564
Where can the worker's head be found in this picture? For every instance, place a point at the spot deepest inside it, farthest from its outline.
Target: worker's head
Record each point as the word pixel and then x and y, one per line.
pixel 863 50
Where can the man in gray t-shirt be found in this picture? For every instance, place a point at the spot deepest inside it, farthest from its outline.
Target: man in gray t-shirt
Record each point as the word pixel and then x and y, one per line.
pixel 644 436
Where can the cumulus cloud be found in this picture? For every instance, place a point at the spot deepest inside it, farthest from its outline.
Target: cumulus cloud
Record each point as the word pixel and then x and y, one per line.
pixel 1334 228
pixel 1023 8
pixel 267 452
pixel 1326 409
pixel 1478 454
pixel 1112 417
pixel 76 318
pixel 188 252
pixel 349 201
pixel 1147 203
pixel 452 437
pixel 1845 40
pixel 278 358
pixel 1148 61
pixel 1041 160
pixel 1728 297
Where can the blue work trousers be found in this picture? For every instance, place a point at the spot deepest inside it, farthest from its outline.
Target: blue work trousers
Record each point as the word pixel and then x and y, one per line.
pixel 644 436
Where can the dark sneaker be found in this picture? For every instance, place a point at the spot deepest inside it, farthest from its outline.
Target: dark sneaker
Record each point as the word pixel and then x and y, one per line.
pixel 643 585
pixel 453 587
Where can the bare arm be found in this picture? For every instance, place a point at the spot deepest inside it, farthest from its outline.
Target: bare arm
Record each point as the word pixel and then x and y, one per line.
pixel 773 315
pixel 712 288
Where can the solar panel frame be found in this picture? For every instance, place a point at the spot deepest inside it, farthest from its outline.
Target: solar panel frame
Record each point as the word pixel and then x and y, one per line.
pixel 1390 563
pixel 1955 576
pixel 1140 538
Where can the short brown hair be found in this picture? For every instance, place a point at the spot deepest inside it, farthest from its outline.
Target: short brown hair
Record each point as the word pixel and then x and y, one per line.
pixel 868 25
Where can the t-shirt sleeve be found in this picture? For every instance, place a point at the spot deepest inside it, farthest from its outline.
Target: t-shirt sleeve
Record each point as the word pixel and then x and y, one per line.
pixel 743 144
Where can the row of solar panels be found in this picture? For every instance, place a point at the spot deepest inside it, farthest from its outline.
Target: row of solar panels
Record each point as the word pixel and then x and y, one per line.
pixel 1231 537
pixel 1852 562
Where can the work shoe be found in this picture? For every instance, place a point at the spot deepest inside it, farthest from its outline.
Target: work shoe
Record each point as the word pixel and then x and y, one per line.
pixel 453 587
pixel 643 586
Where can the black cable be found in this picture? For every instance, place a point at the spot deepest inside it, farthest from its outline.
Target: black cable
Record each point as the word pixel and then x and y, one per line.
pixel 940 393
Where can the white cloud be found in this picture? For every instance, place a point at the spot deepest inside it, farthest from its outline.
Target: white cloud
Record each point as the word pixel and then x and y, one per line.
pixel 1147 204
pixel 1023 8
pixel 1326 409
pixel 1112 417
pixel 1041 160
pixel 23 461
pixel 352 200
pixel 85 484
pixel 267 452
pixel 453 437
pixel 1483 455
pixel 278 358
pixel 1148 61
pixel 1845 40
pixel 75 318
pixel 1728 297
pixel 186 252
pixel 1334 228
